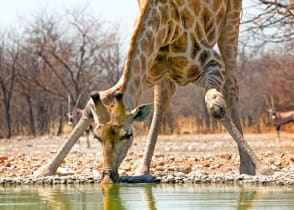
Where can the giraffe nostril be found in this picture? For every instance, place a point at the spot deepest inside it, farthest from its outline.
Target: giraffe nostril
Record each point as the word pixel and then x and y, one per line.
pixel 127 135
pixel 118 95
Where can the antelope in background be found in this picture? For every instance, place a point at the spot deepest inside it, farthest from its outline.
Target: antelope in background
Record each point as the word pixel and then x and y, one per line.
pixel 279 118
pixel 73 115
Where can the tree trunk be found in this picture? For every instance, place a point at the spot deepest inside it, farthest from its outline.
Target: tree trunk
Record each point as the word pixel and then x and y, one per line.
pixel 31 116
pixel 6 111
pixel 7 120
pixel 60 123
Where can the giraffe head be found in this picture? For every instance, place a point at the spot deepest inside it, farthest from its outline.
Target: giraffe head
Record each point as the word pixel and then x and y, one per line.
pixel 114 132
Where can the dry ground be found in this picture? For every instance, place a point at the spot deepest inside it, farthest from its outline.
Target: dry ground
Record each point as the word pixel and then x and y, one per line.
pixel 21 156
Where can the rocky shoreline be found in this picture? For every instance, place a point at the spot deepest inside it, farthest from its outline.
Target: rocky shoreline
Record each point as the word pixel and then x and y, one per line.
pixel 169 179
pixel 283 178
pixel 179 159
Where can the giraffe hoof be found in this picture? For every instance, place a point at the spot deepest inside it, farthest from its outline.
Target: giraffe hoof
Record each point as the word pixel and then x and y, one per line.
pixel 215 103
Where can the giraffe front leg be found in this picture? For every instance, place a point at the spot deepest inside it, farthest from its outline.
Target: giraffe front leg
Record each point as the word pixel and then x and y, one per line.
pixel 231 96
pixel 217 108
pixel 163 93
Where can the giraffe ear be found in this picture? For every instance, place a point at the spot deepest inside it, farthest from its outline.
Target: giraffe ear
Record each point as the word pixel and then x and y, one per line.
pixel 140 113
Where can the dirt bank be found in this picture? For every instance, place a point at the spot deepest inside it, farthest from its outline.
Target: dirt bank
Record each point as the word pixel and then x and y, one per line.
pixel 186 156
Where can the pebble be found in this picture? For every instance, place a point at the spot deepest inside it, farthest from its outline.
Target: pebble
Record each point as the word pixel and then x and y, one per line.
pixel 64 171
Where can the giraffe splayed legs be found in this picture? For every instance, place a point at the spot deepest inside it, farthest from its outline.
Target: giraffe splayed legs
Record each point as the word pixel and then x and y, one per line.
pixel 172 43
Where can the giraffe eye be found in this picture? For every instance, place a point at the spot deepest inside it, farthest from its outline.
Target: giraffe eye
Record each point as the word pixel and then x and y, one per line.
pixel 127 136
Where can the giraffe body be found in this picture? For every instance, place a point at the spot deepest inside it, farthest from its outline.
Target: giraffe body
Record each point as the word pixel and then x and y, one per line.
pixel 190 38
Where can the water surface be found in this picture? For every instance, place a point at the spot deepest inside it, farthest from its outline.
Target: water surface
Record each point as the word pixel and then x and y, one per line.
pixel 147 196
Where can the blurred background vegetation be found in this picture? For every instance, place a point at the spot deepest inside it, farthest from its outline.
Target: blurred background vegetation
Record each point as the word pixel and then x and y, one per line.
pixel 54 58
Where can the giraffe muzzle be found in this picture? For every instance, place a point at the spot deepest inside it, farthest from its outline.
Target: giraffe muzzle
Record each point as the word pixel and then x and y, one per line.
pixel 109 176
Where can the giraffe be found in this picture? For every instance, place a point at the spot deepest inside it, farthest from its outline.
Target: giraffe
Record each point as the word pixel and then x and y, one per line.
pixel 172 43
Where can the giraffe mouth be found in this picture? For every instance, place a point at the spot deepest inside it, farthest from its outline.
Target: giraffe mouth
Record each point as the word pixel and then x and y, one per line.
pixel 109 176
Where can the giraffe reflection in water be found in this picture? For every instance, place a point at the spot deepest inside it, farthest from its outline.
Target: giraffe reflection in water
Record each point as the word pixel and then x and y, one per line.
pixel 112 199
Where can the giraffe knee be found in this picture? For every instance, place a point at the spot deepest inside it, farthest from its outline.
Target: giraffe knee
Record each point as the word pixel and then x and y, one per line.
pixel 215 103
pixel 217 112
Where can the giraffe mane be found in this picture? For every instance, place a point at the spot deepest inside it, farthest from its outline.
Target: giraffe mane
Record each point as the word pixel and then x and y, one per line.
pixel 134 38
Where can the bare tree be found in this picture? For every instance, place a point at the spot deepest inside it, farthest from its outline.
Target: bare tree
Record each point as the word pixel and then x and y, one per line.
pixel 8 58
pixel 55 56
pixel 82 56
pixel 268 22
pixel 270 74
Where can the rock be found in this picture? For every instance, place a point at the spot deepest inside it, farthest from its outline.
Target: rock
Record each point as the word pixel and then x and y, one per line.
pixel 160 162
pixel 64 171
pixel 215 166
pixel 269 154
pixel 158 155
pixel 63 181
pixel 159 168
pixel 8 164
pixel 179 179
pixel 3 158
pixel 170 179
pixel 40 182
pixel 289 169
pixel 172 158
pixel 206 165
pixel 126 167
pixel 187 170
pixel 226 156
pixel 167 149
pixel 277 163
pixel 56 181
pixel 197 179
pixel 270 161
pixel 69 181
pixel 229 179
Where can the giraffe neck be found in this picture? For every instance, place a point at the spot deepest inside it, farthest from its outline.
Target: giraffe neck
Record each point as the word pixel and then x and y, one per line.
pixel 146 40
